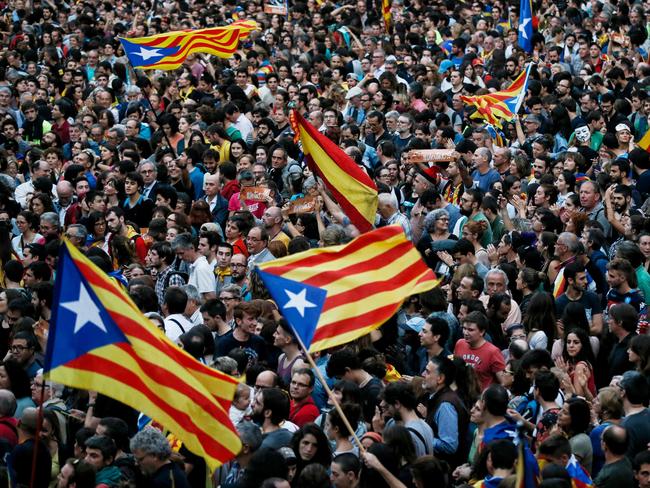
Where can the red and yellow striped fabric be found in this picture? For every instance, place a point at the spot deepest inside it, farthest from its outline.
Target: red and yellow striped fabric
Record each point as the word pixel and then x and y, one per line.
pixel 116 351
pixel 500 105
pixel 366 282
pixel 352 188
pixel 168 51
pixel 386 13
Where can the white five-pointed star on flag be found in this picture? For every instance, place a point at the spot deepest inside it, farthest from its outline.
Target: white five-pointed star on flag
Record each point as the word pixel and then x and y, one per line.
pixel 146 54
pixel 522 27
pixel 86 311
pixel 298 301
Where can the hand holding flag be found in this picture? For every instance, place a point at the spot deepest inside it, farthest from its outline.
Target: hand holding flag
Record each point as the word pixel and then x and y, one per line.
pixel 352 188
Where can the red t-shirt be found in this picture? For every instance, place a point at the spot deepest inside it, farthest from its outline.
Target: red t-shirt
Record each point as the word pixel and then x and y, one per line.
pixel 486 360
pixel 7 432
pixel 304 412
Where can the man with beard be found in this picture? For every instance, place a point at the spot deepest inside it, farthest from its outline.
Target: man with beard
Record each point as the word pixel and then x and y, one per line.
pixel 118 227
pixel 619 171
pixel 470 209
pixel 446 412
pixel 42 300
pixel 618 202
pixel 399 402
pixel 576 291
pixel 270 409
pixel 239 274
pixel 264 133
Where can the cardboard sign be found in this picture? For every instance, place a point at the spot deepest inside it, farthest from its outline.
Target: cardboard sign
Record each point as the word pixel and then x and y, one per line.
pixel 256 193
pixel 278 7
pixel 431 155
pixel 302 205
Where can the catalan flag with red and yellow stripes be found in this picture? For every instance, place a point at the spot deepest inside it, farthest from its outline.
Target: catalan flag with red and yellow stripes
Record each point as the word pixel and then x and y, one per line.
pixel 500 105
pixel 386 13
pixel 168 51
pixel 352 188
pixel 99 340
pixel 333 295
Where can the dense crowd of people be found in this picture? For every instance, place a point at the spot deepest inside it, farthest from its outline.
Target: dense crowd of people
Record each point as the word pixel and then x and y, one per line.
pixel 178 184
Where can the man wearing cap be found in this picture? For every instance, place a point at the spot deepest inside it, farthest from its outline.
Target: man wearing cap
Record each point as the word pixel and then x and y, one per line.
pixel 444 70
pixel 354 112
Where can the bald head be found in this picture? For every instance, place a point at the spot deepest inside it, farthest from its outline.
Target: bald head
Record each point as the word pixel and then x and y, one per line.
pixel 7 403
pixel 64 191
pixel 211 185
pixel 272 218
pixel 615 440
pixel 266 379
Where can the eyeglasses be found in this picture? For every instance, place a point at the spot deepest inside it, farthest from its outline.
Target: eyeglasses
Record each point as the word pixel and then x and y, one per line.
pixel 227 299
pixel 238 265
pixel 18 347
pixel 139 459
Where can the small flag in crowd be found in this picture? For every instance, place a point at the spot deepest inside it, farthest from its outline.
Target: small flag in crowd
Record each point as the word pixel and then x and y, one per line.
pixel 579 476
pixel 99 340
pixel 525 39
pixel 352 188
pixel 501 105
pixel 386 13
pixel 333 295
pixel 644 143
pixel 168 51
pixel 497 136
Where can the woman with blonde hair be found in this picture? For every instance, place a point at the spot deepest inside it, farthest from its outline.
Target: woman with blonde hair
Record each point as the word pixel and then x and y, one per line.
pixel 607 409
pixel 473 231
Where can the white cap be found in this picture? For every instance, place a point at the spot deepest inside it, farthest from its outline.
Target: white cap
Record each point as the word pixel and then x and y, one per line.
pixel 355 91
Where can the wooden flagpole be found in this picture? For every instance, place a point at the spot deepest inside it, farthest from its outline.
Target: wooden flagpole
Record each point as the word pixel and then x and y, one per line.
pixel 337 406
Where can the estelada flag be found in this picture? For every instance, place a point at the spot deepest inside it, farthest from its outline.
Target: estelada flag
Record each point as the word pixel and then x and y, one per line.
pixel 99 340
pixel 352 188
pixel 500 105
pixel 333 295
pixel 169 50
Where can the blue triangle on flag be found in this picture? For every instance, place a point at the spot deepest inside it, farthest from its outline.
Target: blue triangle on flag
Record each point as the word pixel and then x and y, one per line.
pixel 80 322
pixel 301 304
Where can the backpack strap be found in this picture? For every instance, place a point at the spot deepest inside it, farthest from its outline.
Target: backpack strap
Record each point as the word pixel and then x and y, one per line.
pixel 179 325
pixel 421 439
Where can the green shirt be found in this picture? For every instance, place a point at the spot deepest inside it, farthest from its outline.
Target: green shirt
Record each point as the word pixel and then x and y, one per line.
pixel 643 279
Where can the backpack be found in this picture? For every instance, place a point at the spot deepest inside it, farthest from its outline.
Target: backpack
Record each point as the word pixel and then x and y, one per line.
pixel 184 276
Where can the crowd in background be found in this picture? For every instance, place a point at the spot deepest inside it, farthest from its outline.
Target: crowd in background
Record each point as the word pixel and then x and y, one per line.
pixel 178 184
